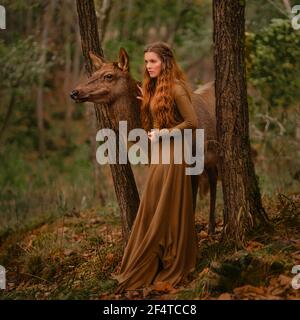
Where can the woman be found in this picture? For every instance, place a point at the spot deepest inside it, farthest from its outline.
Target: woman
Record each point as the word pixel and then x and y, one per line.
pixel 162 246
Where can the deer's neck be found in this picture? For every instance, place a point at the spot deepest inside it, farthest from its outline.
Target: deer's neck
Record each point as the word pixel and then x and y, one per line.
pixel 127 107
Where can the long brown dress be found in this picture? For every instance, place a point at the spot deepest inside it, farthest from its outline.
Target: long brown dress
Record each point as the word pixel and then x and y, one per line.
pixel 163 244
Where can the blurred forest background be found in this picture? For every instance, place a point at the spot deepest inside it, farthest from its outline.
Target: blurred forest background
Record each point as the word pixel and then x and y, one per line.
pixel 47 167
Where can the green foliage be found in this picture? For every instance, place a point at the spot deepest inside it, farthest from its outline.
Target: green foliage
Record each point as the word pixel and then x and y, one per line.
pixel 21 69
pixel 13 173
pixel 31 189
pixel 259 13
pixel 21 64
pixel 273 63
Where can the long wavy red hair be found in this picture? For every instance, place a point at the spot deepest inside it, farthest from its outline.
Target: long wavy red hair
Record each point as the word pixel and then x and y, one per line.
pixel 158 92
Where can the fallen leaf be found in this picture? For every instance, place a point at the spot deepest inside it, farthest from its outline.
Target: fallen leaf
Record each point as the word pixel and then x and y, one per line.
pixel 273 281
pixel 296 255
pixel 284 280
pixel 146 291
pixel 225 296
pixel 254 245
pixel 68 252
pixel 271 297
pixel 131 294
pixel 277 291
pixel 248 289
pixel 203 234
pixel 110 257
pixel 162 286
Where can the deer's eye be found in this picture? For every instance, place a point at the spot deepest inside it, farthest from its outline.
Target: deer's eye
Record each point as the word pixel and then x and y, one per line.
pixel 108 76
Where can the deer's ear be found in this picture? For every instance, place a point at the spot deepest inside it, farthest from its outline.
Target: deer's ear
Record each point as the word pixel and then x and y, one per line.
pixel 123 62
pixel 97 61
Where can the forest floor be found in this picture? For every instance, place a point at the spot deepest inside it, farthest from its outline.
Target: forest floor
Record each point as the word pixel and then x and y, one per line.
pixel 73 257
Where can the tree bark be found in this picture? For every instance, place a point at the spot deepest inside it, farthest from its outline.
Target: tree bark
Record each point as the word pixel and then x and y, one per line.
pixel 127 20
pixel 48 13
pixel 104 18
pixel 7 117
pixel 242 199
pixel 76 60
pixel 124 183
pixel 100 185
pixel 67 20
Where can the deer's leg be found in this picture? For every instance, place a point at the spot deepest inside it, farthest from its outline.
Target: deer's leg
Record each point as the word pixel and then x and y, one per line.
pixel 212 174
pixel 195 184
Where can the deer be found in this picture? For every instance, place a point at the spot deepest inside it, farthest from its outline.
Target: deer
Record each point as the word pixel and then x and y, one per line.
pixel 112 84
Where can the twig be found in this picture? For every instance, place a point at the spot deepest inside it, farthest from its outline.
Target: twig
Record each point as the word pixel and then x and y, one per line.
pixel 278 8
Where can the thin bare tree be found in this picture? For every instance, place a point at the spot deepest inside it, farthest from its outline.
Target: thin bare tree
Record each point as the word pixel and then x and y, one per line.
pixel 46 23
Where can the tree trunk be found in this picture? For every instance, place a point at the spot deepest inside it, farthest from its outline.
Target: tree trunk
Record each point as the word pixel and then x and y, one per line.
pixel 68 64
pixel 99 181
pixel 7 117
pixel 121 19
pixel 76 60
pixel 48 13
pixel 29 19
pixel 128 17
pixel 124 183
pixel 242 200
pixel 104 18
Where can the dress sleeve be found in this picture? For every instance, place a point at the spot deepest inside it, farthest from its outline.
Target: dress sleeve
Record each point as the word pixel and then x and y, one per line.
pixel 185 108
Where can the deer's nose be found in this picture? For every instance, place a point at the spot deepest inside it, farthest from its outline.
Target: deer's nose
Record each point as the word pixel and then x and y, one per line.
pixel 74 94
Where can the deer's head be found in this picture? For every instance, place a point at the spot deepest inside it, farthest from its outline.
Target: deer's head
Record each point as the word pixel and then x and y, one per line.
pixel 112 84
pixel 109 81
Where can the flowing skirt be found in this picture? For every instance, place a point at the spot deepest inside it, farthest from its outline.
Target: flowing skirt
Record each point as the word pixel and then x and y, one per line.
pixel 163 243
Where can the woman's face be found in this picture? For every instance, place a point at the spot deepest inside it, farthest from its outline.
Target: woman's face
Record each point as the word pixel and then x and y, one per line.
pixel 153 64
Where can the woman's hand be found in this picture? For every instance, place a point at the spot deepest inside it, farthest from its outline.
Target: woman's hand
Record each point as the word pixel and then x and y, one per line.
pixel 141 93
pixel 152 135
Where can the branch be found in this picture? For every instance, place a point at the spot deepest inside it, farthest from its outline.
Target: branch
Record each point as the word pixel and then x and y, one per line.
pixel 278 8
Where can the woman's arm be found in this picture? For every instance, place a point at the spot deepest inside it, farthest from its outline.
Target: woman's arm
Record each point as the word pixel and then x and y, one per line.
pixel 185 108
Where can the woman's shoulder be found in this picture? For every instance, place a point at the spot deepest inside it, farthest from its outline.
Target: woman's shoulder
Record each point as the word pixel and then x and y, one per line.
pixel 179 89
